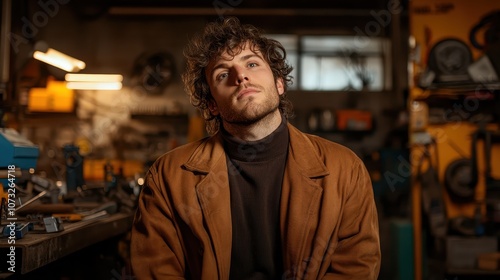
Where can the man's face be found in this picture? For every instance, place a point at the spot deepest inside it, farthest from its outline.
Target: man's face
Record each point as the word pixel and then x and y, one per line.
pixel 243 88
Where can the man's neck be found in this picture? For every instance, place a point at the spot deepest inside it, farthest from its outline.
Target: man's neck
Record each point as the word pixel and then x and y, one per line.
pixel 255 131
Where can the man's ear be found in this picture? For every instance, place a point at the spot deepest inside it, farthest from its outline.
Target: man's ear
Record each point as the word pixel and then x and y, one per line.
pixel 212 107
pixel 280 86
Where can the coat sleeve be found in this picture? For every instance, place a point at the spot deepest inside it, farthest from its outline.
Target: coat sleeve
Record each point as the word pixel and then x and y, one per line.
pixel 357 255
pixel 156 251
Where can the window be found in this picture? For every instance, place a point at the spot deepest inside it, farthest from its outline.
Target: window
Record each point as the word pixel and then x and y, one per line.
pixel 338 63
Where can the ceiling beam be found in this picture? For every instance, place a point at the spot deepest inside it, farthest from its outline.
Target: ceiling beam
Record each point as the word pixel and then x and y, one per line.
pixel 171 11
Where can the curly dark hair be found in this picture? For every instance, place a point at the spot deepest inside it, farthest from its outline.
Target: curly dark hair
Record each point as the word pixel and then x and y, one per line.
pixel 229 35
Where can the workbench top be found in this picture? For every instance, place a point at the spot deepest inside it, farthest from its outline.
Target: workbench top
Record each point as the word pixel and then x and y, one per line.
pixel 37 249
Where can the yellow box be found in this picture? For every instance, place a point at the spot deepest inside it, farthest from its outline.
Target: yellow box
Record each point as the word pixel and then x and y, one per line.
pixel 54 98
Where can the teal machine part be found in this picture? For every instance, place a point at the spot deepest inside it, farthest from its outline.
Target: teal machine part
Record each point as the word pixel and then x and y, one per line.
pixel 74 167
pixel 16 150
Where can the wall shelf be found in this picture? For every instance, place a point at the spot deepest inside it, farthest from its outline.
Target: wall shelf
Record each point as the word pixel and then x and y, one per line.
pixel 455 91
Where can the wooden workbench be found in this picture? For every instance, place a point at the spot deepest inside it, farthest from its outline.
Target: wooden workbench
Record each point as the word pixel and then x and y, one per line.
pixel 36 250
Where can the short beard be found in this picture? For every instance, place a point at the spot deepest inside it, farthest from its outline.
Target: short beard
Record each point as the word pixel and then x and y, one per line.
pixel 247 119
pixel 250 120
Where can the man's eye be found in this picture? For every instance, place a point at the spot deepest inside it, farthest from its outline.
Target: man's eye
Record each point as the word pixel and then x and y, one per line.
pixel 252 64
pixel 221 76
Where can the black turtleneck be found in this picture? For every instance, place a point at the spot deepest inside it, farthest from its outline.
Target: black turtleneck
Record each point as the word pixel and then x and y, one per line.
pixel 256 171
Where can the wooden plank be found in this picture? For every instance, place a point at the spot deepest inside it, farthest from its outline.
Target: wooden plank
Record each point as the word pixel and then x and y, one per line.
pixel 38 249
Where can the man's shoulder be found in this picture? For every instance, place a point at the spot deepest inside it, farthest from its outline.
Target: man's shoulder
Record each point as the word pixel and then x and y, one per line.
pixel 326 147
pixel 329 148
pixel 329 144
pixel 182 153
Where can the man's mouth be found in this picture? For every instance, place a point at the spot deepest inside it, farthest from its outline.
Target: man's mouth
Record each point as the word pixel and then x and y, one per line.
pixel 246 91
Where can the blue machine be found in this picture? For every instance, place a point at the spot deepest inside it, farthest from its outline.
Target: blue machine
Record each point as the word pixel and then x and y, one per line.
pixel 16 150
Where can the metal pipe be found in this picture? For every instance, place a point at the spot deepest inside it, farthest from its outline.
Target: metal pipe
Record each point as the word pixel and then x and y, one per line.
pixel 38 196
pixel 5 41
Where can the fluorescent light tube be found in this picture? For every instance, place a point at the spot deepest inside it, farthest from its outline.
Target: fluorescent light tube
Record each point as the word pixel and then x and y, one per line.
pixel 107 78
pixel 94 85
pixel 60 60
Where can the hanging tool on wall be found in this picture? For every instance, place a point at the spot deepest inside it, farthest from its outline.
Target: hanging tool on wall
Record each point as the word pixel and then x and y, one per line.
pixel 432 192
pixel 487 67
pixel 462 175
pixel 492 184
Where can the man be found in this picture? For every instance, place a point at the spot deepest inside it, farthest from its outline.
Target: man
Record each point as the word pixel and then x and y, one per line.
pixel 257 199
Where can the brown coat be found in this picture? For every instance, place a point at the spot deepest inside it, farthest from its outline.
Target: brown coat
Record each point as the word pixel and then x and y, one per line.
pixel 328 218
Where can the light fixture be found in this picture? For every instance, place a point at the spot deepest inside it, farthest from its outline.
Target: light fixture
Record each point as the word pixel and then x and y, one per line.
pixel 94 81
pixel 94 85
pixel 105 78
pixel 55 58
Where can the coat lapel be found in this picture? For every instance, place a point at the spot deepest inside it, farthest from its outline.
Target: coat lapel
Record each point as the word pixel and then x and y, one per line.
pixel 300 202
pixel 214 197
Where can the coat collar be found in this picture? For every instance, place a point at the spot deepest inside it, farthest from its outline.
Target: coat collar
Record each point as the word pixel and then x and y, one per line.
pixel 302 152
pixel 206 156
pixel 300 198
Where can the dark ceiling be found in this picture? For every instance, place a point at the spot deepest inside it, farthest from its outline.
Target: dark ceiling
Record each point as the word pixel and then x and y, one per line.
pixel 322 16
pixel 279 14
pixel 281 7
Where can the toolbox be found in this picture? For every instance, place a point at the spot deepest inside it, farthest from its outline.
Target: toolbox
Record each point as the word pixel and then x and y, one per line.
pixel 357 120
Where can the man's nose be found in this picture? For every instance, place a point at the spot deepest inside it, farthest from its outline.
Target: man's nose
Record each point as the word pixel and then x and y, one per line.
pixel 241 75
